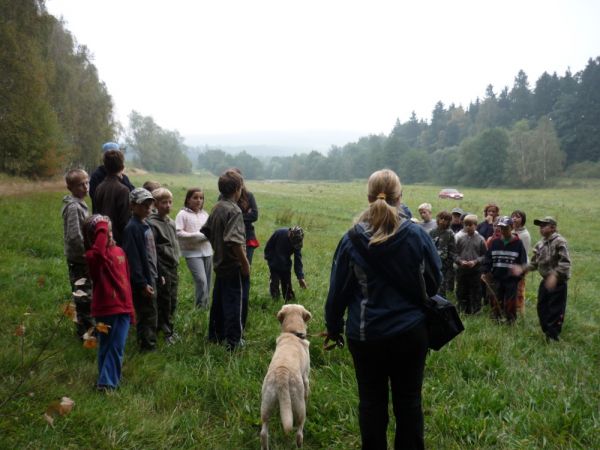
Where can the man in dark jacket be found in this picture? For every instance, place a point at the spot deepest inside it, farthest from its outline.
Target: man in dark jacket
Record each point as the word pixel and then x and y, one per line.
pixel 100 174
pixel 280 247
pixel 112 196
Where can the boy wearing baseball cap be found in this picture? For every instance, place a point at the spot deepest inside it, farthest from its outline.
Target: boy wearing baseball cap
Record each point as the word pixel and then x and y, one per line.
pixel 138 243
pixel 551 259
pixel 505 251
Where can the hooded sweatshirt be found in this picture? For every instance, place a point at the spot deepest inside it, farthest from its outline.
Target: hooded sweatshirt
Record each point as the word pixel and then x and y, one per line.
pixel 109 271
pixel 376 309
pixel 74 212
pixel 165 239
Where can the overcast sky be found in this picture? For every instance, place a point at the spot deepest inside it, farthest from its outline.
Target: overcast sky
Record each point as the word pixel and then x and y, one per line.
pixel 219 66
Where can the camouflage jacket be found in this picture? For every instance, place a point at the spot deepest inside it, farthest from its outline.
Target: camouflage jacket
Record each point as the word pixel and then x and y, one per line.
pixel 551 255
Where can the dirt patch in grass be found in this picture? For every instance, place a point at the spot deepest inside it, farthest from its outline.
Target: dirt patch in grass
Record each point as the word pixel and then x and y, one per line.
pixel 16 186
pixel 10 186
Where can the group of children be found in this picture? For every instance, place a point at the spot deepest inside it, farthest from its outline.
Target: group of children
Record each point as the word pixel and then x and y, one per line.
pixel 488 261
pixel 135 279
pixel 130 274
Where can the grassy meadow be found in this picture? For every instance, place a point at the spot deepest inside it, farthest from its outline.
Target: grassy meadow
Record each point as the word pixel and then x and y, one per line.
pixel 494 387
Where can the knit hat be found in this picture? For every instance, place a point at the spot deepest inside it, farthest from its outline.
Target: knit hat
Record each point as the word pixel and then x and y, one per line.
pixel 296 234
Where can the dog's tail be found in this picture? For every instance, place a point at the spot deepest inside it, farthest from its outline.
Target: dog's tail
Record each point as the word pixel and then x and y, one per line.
pixel 282 377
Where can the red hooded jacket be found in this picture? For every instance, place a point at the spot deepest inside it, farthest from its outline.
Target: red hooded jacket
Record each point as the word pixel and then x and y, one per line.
pixel 109 271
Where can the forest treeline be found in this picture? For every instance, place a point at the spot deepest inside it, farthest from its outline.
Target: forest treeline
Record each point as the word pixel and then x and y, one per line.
pixel 56 113
pixel 522 136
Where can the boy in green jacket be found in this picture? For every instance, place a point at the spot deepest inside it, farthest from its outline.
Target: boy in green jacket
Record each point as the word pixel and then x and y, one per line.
pixel 167 252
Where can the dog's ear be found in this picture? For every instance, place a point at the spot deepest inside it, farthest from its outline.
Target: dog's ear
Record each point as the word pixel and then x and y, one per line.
pixel 306 315
pixel 281 315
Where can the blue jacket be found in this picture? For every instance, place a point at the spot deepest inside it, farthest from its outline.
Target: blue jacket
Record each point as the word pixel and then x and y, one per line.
pixel 137 239
pixel 376 308
pixel 279 251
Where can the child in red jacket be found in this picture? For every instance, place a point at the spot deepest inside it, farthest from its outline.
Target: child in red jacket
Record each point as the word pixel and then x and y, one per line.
pixel 111 300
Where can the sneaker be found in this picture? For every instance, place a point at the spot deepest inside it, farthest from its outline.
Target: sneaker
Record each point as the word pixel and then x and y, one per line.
pixel 170 340
pixel 105 388
pixel 238 345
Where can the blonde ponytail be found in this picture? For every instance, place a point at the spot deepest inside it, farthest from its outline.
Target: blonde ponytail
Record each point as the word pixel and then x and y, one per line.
pixel 382 216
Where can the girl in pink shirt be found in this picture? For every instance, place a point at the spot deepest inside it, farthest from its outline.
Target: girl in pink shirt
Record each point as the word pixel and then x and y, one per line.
pixel 193 244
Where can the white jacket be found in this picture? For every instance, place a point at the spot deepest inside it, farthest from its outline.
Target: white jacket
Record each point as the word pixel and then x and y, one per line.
pixel 191 242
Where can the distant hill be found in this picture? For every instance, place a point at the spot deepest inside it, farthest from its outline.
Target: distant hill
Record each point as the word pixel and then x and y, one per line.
pixel 274 143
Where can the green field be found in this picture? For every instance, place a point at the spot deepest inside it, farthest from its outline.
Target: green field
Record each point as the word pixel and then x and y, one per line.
pixel 494 387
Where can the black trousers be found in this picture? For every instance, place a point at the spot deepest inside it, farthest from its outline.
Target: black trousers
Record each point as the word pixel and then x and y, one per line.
pixel 229 309
pixel 285 279
pixel 166 300
pixel 505 303
pixel 398 363
pixel 146 311
pixel 551 308
pixel 468 290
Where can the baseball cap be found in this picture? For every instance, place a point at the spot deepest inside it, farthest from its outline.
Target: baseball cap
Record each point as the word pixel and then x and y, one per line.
pixel 457 211
pixel 140 195
pixel 548 220
pixel 110 146
pixel 505 221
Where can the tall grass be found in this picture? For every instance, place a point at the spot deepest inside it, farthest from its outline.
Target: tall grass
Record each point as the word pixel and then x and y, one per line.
pixel 494 387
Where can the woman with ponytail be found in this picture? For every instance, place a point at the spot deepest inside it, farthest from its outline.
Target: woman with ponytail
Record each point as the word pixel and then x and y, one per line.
pixel 377 281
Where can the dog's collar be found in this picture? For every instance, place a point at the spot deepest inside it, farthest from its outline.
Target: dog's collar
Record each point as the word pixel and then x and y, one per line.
pixel 298 334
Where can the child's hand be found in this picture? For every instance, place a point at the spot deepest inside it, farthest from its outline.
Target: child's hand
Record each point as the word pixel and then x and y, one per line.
pixel 516 270
pixel 550 281
pixel 245 269
pixel 148 291
pixel 302 283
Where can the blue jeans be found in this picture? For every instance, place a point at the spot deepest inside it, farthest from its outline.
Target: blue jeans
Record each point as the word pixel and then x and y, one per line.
pixel 111 350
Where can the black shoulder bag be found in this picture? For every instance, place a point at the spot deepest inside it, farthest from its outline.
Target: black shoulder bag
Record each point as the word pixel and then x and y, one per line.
pixel 443 321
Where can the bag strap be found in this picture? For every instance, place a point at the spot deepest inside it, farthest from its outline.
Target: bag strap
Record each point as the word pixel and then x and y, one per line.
pixel 374 264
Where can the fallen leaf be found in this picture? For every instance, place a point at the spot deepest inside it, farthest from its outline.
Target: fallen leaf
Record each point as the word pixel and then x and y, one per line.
pixel 41 281
pixel 89 334
pixel 48 418
pixel 101 327
pixel 79 293
pixel 80 282
pixel 66 405
pixel 58 408
pixel 20 330
pixel 90 343
pixel 68 310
